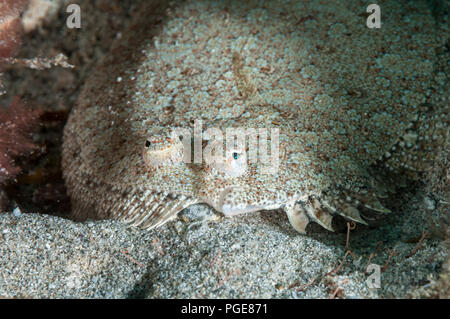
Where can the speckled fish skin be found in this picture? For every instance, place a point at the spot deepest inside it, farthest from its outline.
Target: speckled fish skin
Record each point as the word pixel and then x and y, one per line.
pixel 343 97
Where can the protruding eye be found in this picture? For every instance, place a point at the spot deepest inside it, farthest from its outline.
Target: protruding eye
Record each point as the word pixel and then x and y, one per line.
pixel 160 149
pixel 235 155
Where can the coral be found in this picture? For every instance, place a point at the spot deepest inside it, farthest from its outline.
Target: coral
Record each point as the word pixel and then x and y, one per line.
pixel 41 63
pixel 10 25
pixel 10 29
pixel 39 12
pixel 17 123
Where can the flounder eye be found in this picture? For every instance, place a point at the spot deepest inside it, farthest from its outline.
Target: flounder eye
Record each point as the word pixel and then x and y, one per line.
pixel 235 155
pixel 160 150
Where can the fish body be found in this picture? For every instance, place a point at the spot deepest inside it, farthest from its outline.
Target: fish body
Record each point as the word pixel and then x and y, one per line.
pixel 332 97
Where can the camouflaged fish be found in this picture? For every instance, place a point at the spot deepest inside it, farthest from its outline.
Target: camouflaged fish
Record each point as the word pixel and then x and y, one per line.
pixel 344 98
